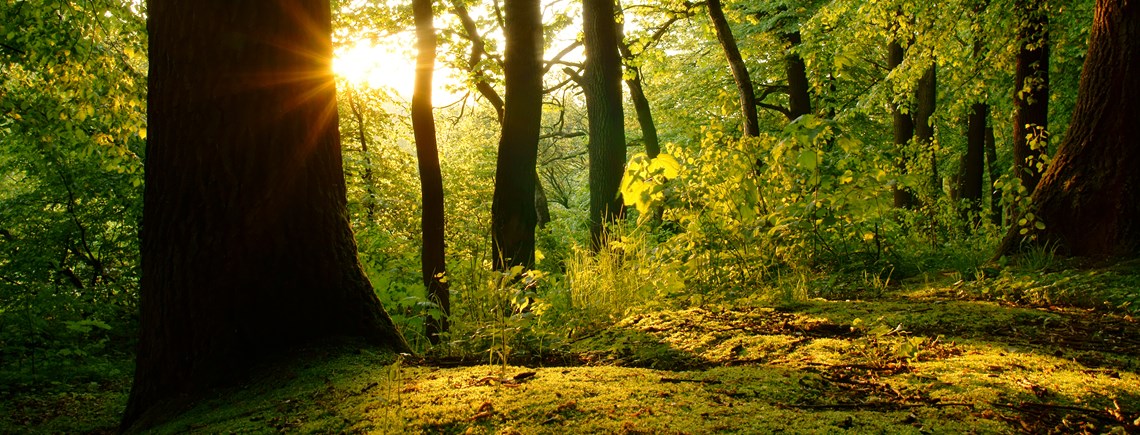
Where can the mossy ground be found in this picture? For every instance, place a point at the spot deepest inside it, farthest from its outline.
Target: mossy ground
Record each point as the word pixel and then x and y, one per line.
pixel 914 361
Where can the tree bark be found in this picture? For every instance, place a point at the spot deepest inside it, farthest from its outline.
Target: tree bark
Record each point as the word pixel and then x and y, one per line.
pixel 748 112
pixel 513 216
pixel 433 264
pixel 799 89
pixel 637 96
pixel 602 86
pixel 1089 199
pixel 972 169
pixel 1031 92
pixel 926 96
pixel 246 248
pixel 996 211
pixel 903 133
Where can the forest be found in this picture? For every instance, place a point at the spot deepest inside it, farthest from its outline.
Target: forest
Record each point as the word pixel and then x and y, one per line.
pixel 525 216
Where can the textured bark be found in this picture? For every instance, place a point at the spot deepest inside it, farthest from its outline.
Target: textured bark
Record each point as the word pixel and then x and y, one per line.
pixel 926 95
pixel 903 129
pixel 246 249
pixel 1031 90
pixel 799 89
pixel 433 265
pixel 1089 199
pixel 602 86
pixel 513 216
pixel 972 169
pixel 739 70
pixel 996 211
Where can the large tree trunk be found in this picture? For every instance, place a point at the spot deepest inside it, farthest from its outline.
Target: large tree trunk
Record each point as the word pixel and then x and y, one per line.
pixel 1089 199
pixel 602 86
pixel 432 262
pixel 972 169
pixel 799 89
pixel 903 129
pixel 1031 92
pixel 246 247
pixel 513 216
pixel 739 70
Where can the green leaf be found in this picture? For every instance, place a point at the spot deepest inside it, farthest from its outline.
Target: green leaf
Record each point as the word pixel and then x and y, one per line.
pixel 808 160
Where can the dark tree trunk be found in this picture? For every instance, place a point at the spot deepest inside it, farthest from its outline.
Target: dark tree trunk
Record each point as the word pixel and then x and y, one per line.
pixel 1031 92
pixel 1089 199
pixel 739 70
pixel 246 248
pixel 996 211
pixel 799 89
pixel 926 95
pixel 513 216
pixel 972 169
pixel 362 137
pixel 637 96
pixel 903 133
pixel 432 262
pixel 602 86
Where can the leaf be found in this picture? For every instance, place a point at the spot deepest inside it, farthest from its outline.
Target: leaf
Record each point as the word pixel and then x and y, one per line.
pixel 807 160
pixel 665 163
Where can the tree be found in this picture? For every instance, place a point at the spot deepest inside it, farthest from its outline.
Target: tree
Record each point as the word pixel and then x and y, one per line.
pixel 432 261
pixel 971 169
pixel 1031 92
pixel 739 70
pixel 926 96
pixel 246 246
pixel 903 130
pixel 513 216
pixel 636 92
pixel 1089 199
pixel 602 86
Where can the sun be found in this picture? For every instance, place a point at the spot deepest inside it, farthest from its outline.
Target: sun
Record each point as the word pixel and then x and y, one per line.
pixel 386 66
pixel 365 64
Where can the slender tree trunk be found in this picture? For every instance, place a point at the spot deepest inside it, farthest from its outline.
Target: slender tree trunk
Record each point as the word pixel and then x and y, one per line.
pixel 637 96
pixel 602 86
pixel 926 97
pixel 799 89
pixel 246 248
pixel 903 133
pixel 1031 92
pixel 972 169
pixel 432 261
pixel 513 216
pixel 739 70
pixel 541 204
pixel 996 211
pixel 478 50
pixel 1089 199
pixel 362 137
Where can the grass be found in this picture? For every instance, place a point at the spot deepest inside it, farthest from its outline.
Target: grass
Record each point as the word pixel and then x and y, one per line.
pixel 934 355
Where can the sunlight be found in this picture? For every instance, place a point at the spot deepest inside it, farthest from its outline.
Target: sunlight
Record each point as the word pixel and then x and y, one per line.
pixel 385 66
pixel 364 64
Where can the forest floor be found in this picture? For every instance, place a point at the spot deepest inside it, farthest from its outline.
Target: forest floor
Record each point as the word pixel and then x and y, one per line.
pixel 915 360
